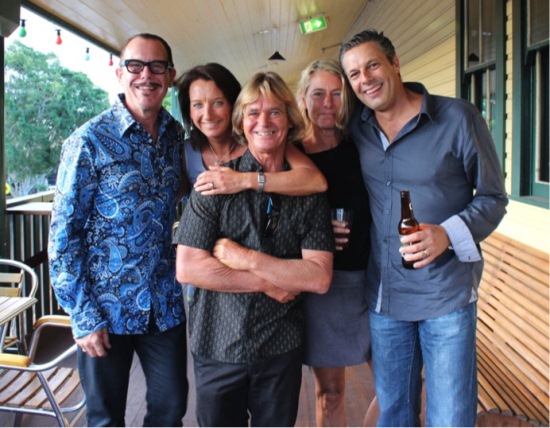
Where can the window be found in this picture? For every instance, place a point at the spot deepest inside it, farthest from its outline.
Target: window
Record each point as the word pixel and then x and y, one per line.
pixel 481 62
pixel 480 57
pixel 537 65
pixel 531 41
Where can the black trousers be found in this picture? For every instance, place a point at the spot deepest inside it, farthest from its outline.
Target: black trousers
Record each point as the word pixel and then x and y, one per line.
pixel 267 391
pixel 163 358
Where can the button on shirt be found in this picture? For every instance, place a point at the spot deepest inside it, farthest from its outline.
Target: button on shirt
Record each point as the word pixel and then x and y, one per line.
pixel 245 327
pixel 111 259
pixel 446 158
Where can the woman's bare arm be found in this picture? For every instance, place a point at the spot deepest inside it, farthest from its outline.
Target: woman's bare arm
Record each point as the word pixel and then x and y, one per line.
pixel 304 178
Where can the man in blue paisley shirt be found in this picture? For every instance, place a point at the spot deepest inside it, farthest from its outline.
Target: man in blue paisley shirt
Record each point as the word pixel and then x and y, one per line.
pixel 111 259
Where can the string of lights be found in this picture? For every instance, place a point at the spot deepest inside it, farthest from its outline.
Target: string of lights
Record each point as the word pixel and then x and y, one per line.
pixel 58 40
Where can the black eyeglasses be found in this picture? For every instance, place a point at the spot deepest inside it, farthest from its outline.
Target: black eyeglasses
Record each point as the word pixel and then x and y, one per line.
pixel 135 66
pixel 272 217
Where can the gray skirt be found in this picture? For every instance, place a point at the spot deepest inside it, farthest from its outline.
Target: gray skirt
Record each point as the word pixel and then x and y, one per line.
pixel 337 323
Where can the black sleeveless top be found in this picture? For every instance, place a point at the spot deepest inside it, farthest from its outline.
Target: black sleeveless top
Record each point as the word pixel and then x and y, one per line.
pixel 346 189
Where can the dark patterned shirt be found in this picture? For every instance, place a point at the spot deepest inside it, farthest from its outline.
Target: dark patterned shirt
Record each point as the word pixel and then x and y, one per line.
pixel 244 327
pixel 111 258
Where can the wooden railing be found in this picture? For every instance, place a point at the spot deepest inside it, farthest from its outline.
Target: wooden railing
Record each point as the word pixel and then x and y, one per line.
pixel 28 225
pixel 28 220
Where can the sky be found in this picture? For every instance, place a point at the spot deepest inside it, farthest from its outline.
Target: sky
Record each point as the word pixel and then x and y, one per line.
pixel 41 36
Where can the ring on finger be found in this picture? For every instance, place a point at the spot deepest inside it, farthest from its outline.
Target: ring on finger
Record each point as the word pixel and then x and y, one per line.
pixel 212 185
pixel 426 253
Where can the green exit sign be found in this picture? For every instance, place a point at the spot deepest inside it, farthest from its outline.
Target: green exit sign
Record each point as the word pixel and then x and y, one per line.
pixel 311 25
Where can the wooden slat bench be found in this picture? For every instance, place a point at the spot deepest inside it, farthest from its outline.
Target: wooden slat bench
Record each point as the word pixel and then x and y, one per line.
pixel 513 331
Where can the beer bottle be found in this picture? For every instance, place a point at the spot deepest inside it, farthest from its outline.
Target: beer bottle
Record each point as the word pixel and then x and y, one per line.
pixel 408 223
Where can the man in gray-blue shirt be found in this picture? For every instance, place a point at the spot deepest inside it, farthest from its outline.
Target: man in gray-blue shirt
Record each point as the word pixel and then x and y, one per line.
pixel 440 150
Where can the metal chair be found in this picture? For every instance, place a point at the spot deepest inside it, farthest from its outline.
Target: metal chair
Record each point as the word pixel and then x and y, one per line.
pixel 13 284
pixel 44 382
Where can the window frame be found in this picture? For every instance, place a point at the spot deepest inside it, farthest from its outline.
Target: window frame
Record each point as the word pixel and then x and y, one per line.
pixel 498 65
pixel 524 185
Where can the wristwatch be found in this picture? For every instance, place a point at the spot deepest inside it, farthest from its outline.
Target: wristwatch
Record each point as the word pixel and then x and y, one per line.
pixel 261 181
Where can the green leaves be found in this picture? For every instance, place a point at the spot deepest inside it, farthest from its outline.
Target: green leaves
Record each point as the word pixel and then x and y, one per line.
pixel 44 104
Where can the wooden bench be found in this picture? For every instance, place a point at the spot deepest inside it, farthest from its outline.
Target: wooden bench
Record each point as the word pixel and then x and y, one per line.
pixel 512 331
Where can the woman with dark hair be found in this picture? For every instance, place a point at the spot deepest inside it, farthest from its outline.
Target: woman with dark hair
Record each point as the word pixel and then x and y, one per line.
pixel 206 94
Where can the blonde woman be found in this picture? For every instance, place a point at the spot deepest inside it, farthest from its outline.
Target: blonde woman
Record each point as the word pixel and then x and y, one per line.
pixel 337 323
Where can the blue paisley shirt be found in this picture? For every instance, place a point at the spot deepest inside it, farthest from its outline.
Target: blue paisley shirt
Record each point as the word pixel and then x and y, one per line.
pixel 111 259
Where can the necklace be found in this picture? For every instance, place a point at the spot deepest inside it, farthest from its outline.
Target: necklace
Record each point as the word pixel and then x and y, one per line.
pixel 221 161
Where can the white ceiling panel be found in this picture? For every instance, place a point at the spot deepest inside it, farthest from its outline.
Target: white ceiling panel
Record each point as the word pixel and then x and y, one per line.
pixel 240 34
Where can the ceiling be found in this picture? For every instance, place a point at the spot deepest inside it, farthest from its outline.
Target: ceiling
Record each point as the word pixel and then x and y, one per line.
pixel 240 34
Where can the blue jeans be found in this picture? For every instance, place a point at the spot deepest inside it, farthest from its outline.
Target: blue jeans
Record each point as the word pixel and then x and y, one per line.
pixel 163 358
pixel 446 347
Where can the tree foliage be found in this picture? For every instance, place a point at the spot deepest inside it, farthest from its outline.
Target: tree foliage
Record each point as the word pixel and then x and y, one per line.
pixel 44 104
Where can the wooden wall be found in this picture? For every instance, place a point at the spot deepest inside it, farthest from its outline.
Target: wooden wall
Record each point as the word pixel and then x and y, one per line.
pixel 421 31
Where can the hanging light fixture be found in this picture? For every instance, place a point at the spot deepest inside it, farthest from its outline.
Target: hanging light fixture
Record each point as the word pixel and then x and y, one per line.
pixel 22 30
pixel 58 41
pixel 110 60
pixel 87 57
pixel 276 57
